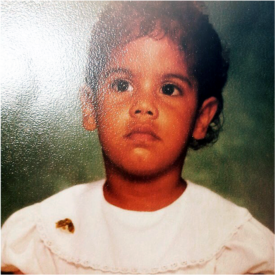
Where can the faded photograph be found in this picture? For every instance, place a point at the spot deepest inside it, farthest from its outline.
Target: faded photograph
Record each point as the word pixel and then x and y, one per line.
pixel 137 137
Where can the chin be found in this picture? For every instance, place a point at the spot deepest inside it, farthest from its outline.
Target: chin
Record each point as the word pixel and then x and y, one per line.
pixel 142 167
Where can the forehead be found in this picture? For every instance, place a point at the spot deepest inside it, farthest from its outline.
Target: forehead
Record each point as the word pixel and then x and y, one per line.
pixel 149 55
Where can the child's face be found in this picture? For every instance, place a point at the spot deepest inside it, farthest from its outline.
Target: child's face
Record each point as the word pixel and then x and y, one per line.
pixel 146 107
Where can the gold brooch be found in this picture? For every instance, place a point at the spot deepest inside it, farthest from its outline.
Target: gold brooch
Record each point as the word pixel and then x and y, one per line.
pixel 66 224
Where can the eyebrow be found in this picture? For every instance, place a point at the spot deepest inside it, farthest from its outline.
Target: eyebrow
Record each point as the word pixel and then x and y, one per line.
pixel 179 76
pixel 117 70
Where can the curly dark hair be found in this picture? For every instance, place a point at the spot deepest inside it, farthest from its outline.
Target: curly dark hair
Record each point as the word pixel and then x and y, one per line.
pixel 183 22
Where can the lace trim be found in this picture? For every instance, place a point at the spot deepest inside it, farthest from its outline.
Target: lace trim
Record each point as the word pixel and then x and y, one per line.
pixel 172 267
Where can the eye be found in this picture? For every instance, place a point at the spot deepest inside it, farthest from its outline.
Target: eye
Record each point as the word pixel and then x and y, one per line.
pixel 120 85
pixel 170 89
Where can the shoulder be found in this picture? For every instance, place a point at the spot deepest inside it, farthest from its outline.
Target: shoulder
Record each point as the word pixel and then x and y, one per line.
pixel 18 234
pixel 251 248
pixel 75 192
pixel 72 203
pixel 232 235
pixel 20 225
pixel 32 231
pixel 76 203
pixel 214 209
pixel 65 200
pixel 22 217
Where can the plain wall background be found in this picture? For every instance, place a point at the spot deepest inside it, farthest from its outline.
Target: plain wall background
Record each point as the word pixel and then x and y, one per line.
pixel 44 147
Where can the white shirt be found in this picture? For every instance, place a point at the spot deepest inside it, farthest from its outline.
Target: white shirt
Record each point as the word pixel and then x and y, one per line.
pixel 198 233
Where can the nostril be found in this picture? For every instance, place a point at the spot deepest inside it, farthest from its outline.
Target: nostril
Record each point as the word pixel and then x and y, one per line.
pixel 143 112
pixel 148 112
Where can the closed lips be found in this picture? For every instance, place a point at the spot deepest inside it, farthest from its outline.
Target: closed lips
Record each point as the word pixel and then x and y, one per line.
pixel 142 132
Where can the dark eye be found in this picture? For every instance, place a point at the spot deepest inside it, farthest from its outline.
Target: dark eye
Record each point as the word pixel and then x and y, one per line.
pixel 121 85
pixel 170 89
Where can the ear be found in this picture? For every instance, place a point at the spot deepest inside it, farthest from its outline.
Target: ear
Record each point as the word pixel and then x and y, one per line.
pixel 204 118
pixel 88 108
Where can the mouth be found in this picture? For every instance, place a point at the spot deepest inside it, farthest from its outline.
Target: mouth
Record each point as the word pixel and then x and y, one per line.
pixel 142 133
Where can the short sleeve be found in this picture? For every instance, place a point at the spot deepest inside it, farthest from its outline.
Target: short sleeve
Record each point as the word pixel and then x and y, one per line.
pixel 21 244
pixel 249 251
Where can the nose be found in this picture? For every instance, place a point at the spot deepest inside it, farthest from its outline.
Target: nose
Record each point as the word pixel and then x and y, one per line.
pixel 144 107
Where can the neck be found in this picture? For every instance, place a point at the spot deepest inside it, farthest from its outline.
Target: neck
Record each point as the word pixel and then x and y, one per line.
pixel 143 193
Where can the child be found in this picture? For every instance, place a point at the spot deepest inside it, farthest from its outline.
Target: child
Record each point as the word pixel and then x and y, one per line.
pixel 155 77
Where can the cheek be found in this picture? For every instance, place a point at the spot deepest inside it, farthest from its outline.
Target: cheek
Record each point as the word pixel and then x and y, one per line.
pixel 112 121
pixel 179 119
pixel 111 105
